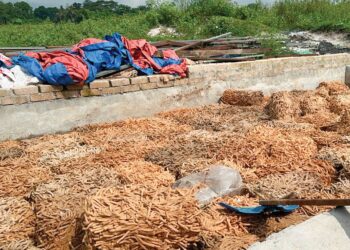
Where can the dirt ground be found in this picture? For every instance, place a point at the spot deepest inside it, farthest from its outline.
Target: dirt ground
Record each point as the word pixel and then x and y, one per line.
pixel 109 186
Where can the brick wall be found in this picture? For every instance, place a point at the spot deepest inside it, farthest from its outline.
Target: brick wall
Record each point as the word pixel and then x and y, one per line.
pixel 295 72
pixel 42 92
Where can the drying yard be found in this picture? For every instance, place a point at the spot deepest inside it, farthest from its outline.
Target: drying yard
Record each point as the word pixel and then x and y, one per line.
pixel 109 186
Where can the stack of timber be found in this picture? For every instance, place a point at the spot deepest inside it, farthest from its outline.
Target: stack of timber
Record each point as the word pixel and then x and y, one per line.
pixel 223 48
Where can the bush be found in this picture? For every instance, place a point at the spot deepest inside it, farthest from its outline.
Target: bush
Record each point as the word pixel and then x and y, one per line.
pixel 208 8
pixel 220 25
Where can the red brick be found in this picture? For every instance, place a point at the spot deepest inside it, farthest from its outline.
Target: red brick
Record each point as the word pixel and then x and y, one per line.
pixel 111 91
pixel 10 100
pixel 39 97
pixel 183 81
pixel 166 84
pixel 99 84
pixel 68 94
pixel 75 87
pixel 139 80
pixel 130 88
pixel 151 85
pixel 120 82
pixel 44 88
pixel 27 90
pixel 155 78
pixel 5 92
pixel 91 92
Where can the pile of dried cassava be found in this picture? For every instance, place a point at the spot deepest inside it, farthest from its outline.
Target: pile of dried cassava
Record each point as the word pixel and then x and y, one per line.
pixel 144 217
pixel 59 205
pixel 17 223
pixel 298 143
pixel 242 98
pixel 276 186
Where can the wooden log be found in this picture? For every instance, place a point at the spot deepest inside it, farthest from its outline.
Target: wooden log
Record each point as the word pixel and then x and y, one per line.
pixel 306 202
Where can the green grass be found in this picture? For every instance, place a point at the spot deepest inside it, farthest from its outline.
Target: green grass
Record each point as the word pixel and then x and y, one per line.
pixel 204 18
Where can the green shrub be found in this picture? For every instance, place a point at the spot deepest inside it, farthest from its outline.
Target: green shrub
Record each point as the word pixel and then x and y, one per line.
pixel 219 25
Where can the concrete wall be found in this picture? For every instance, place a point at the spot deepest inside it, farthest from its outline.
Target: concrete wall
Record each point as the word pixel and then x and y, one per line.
pixel 33 111
pixel 273 75
pixel 328 231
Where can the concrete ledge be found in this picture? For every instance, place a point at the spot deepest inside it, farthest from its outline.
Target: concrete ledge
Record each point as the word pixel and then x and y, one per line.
pixel 328 231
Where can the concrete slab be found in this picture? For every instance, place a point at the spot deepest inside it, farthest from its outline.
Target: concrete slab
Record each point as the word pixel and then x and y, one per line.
pixel 329 231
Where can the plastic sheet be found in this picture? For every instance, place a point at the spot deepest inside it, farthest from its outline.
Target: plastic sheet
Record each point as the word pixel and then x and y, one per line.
pixel 219 181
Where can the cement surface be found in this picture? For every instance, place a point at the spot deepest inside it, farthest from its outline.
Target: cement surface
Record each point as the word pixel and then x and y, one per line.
pixel 328 231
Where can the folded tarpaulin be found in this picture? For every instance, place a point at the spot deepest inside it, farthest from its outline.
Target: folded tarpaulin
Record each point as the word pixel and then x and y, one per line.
pixel 90 56
pixel 143 53
pixel 57 67
pixel 103 55
pixel 5 61
pixel 260 209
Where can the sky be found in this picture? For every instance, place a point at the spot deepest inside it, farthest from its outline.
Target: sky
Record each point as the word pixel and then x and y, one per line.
pixel 133 3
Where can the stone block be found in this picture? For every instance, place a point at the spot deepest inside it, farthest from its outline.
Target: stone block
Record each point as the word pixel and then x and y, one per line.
pixel 11 100
pixel 5 92
pixel 100 84
pixel 120 82
pixel 40 97
pixel 27 90
pixel 130 88
pixel 44 88
pixel 139 80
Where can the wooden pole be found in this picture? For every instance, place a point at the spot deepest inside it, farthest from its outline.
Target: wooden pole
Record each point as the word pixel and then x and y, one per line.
pixel 306 202
pixel 199 42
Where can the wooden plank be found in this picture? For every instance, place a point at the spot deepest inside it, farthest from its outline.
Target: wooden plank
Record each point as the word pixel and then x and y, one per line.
pixel 218 53
pixel 202 41
pixel 306 202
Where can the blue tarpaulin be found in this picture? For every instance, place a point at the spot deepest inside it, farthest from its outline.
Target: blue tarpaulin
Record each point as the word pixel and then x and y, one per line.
pixel 91 56
pixel 260 209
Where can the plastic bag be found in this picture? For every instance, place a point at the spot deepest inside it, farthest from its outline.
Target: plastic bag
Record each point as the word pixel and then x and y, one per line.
pixel 219 181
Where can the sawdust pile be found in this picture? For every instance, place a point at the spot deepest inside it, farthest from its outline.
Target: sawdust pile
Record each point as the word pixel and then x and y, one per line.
pixel 17 222
pixel 242 98
pixel 139 216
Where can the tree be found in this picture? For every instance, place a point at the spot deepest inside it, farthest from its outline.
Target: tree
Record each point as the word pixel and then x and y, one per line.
pixel 70 14
pixel 183 4
pixel 44 13
pixel 23 10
